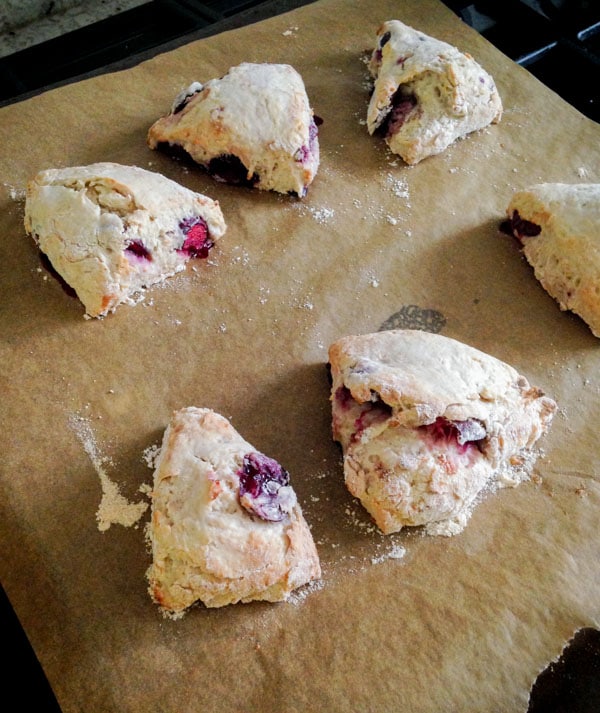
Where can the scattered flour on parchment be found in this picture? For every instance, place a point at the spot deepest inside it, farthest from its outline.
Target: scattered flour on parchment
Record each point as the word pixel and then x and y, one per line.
pixel 114 509
pixel 396 552
pixel 398 186
pixel 16 194
pixel 150 456
pixel 299 595
pixel 320 214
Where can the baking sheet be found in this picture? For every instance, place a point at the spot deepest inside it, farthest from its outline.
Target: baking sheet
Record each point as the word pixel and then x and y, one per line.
pixel 427 623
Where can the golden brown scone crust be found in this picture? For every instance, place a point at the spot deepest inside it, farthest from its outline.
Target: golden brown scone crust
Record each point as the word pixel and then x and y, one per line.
pixel 95 223
pixel 207 547
pixel 445 93
pixel 562 243
pixel 259 113
pixel 426 422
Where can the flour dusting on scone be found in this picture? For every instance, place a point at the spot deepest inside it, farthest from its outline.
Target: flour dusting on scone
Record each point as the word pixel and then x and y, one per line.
pixel 426 423
pixel 558 225
pixel 111 230
pixel 252 127
pixel 226 525
pixel 427 93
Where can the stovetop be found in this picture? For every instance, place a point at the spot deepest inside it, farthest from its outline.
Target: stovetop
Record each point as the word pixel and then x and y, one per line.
pixel 556 40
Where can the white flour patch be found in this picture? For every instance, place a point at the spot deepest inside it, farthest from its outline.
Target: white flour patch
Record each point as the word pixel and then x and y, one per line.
pixel 150 456
pixel 322 215
pixel 398 186
pixel 305 304
pixel 396 552
pixel 264 294
pixel 114 509
pixel 16 194
pixel 241 257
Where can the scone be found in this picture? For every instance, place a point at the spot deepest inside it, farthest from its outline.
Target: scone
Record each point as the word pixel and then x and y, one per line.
pixel 252 127
pixel 427 93
pixel 226 525
pixel 111 230
pixel 426 423
pixel 558 226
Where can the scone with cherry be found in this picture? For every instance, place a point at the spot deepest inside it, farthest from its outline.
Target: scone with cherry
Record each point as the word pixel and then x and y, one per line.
pixel 252 127
pixel 426 423
pixel 427 93
pixel 226 524
pixel 558 225
pixel 110 230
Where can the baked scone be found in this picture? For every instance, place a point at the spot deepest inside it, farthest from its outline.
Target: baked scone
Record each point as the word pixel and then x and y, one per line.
pixel 111 230
pixel 426 423
pixel 252 127
pixel 226 525
pixel 427 93
pixel 558 225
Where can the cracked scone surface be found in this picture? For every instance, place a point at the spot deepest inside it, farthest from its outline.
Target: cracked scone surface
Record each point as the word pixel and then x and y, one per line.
pixel 426 423
pixel 427 93
pixel 226 525
pixel 254 126
pixel 111 230
pixel 558 225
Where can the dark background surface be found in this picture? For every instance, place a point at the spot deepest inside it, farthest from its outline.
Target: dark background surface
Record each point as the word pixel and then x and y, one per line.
pixel 556 40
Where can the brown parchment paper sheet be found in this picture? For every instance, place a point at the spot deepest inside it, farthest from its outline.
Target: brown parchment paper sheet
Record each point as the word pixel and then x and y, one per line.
pixel 463 623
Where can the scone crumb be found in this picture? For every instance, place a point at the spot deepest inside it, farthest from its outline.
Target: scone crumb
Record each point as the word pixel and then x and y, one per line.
pixel 150 455
pixel 299 595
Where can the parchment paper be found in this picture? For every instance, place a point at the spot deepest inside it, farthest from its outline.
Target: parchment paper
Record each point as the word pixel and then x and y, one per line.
pixel 405 622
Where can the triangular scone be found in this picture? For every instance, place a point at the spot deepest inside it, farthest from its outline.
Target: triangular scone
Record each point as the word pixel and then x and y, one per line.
pixel 558 225
pixel 253 127
pixel 427 93
pixel 111 230
pixel 226 525
pixel 426 422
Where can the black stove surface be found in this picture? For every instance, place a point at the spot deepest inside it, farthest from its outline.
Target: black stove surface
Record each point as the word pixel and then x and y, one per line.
pixel 556 40
pixel 125 39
